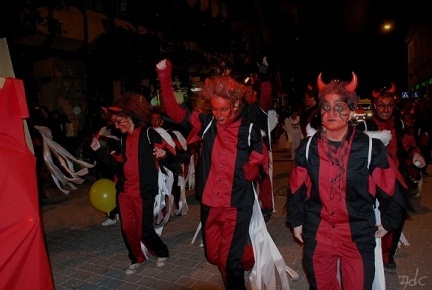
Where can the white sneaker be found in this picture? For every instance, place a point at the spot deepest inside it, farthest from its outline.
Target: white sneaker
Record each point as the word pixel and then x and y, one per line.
pixel 109 222
pixel 133 268
pixel 161 261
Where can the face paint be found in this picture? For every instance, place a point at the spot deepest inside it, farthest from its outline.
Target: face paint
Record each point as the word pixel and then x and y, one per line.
pixel 339 108
pixel 222 110
pixel 122 123
pixel 335 113
pixel 384 108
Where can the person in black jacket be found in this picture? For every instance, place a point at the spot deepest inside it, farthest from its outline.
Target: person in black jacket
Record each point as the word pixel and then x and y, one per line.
pixel 334 190
pixel 231 157
pixel 385 118
pixel 143 151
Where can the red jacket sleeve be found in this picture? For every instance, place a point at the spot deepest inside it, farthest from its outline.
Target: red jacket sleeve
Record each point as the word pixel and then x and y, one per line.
pixel 174 111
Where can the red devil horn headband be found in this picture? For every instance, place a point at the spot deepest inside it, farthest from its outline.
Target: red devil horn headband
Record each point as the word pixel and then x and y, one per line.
pixel 112 110
pixel 320 83
pixel 392 89
pixel 350 87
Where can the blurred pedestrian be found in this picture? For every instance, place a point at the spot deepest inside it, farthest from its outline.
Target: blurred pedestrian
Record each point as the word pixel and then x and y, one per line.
pixel 310 113
pixel 58 129
pixel 292 127
pixel 283 141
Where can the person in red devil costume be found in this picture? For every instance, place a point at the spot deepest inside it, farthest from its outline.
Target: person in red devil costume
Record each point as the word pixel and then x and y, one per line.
pixel 384 105
pixel 334 190
pixel 231 157
pixel 137 176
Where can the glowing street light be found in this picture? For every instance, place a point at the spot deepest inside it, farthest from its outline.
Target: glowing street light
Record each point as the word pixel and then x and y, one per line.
pixel 387 27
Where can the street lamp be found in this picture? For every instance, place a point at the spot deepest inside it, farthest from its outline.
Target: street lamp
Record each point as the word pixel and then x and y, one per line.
pixel 387 27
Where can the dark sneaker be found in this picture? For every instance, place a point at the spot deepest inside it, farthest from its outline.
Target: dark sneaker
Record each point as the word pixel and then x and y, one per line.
pixel 390 264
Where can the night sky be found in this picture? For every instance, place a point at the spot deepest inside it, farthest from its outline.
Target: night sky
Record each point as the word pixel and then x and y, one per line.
pixel 337 37
pixel 331 36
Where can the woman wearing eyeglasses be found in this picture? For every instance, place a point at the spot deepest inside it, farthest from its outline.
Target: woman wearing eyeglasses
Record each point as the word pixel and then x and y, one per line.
pixel 143 151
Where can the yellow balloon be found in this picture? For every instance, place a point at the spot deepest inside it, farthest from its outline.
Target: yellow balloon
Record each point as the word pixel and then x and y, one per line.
pixel 103 195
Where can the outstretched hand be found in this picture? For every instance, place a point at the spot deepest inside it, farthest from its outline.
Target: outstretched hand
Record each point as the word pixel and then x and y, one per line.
pixel 163 68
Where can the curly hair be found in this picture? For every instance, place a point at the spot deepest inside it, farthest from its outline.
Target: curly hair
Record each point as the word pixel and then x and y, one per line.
pixel 196 103
pixel 135 106
pixel 224 87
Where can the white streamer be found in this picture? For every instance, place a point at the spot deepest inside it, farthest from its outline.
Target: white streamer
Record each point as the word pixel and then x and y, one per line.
pixel 379 281
pixel 267 255
pixel 66 161
pixel 165 184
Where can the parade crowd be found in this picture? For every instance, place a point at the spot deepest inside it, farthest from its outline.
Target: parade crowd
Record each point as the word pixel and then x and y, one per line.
pixel 350 187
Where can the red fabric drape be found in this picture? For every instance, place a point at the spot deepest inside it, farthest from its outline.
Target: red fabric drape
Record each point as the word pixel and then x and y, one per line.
pixel 24 262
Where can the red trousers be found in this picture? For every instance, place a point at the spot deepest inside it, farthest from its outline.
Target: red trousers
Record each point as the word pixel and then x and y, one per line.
pixel 131 219
pixel 225 237
pixel 357 265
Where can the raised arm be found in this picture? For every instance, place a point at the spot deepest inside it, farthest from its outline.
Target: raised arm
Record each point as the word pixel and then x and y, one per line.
pixel 174 111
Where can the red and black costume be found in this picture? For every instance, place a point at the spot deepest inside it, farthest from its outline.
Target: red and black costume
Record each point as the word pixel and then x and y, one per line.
pixel 226 196
pixel 399 155
pixel 137 182
pixel 333 197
